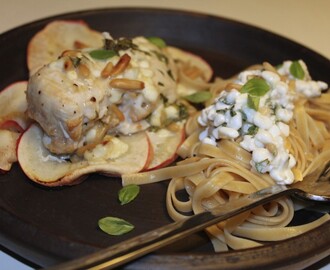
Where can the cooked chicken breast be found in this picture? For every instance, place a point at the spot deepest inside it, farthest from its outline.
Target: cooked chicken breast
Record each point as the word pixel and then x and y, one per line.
pixel 86 94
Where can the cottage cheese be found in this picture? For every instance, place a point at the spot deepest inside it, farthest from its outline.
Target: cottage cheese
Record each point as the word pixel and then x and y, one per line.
pixel 263 131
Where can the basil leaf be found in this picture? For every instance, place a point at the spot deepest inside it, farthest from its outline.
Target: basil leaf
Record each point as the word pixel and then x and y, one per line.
pixel 102 54
pixel 128 193
pixel 115 226
pixel 253 102
pixel 199 97
pixel 160 43
pixel 297 70
pixel 256 87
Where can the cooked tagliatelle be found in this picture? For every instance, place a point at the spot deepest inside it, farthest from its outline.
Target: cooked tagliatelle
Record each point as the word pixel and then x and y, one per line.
pixel 265 126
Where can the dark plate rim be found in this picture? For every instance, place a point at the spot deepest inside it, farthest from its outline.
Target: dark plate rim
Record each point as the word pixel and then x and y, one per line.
pixel 267 255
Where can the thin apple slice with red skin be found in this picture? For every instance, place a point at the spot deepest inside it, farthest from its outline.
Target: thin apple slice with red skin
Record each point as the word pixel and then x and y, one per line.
pixel 8 144
pixel 13 104
pixel 11 125
pixel 46 169
pixel 165 142
pixel 193 59
pixel 57 36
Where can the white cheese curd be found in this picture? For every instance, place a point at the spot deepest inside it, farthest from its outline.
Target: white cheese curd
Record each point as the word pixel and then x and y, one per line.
pixel 310 88
pixel 262 130
pixel 262 121
pixel 306 86
pixel 271 77
pixel 172 112
pixel 156 117
pixel 244 76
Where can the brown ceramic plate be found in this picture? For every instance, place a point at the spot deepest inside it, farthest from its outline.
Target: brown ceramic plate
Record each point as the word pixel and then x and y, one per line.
pixel 52 225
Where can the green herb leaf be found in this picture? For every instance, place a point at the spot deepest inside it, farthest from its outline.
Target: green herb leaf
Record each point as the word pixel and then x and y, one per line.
pixel 161 57
pixel 183 112
pixel 297 70
pixel 260 166
pixel 253 130
pixel 102 54
pixel 256 87
pixel 199 97
pixel 128 193
pixel 253 102
pixel 160 43
pixel 115 226
pixel 75 61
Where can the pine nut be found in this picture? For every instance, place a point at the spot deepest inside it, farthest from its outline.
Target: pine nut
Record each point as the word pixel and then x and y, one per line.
pixel 127 84
pixel 79 45
pixel 106 72
pixel 83 70
pixel 117 112
pixel 121 65
pixel 70 53
pixel 236 86
pixel 193 72
pixel 68 64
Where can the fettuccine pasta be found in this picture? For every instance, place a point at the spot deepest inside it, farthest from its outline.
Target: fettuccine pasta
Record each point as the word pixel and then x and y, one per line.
pixel 219 167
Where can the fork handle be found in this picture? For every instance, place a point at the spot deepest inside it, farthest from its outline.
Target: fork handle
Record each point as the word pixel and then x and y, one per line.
pixel 138 246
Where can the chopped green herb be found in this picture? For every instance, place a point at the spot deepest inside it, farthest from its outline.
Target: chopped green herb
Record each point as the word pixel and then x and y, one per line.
pixel 221 111
pixel 253 102
pixel 160 43
pixel 161 57
pixel 260 166
pixel 297 70
pixel 164 98
pixel 199 97
pixel 125 44
pixel 109 44
pixel 232 113
pixel 244 117
pixel 183 112
pixel 169 72
pixel 255 87
pixel 75 61
pixel 253 130
pixel 128 193
pixel 102 54
pixel 115 226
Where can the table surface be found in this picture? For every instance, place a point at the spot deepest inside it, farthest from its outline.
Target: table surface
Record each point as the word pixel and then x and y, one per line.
pixel 306 22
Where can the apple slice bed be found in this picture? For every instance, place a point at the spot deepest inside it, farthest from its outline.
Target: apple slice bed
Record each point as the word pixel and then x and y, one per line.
pixel 165 143
pixel 193 59
pixel 46 169
pixel 58 36
pixel 13 104
pixel 8 144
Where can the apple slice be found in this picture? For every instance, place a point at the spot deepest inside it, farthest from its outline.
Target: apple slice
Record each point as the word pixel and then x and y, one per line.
pixel 13 104
pixel 38 163
pixel 58 36
pixel 11 125
pixel 165 142
pixel 193 60
pixel 47 169
pixel 8 144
